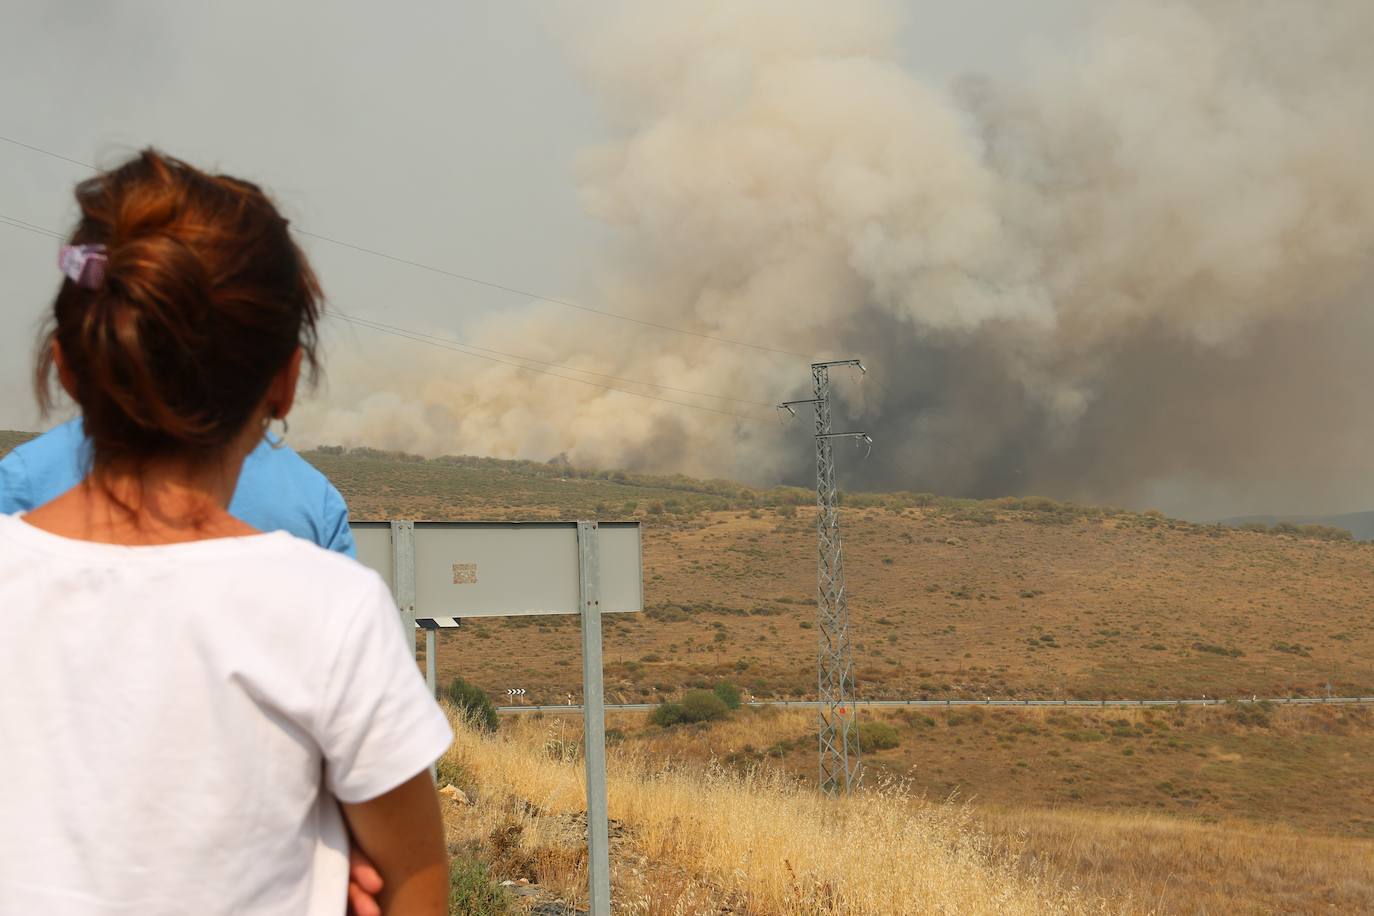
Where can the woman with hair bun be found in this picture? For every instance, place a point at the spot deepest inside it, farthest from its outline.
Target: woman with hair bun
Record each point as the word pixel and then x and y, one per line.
pixel 198 717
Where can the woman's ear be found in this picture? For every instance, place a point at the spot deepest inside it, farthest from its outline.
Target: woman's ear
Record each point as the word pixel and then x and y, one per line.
pixel 64 373
pixel 281 394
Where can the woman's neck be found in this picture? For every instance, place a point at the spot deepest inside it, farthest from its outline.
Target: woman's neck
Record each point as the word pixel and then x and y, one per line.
pixel 159 502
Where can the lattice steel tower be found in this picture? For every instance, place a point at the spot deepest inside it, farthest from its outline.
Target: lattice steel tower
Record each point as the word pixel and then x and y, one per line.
pixel 838 736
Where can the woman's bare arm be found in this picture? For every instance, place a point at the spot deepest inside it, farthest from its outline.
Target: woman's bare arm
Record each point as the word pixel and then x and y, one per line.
pixel 402 833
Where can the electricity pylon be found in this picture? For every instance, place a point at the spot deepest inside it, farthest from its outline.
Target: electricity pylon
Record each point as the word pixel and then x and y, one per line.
pixel 838 735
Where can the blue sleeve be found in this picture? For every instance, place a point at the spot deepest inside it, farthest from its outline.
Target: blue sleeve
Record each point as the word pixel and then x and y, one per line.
pixel 336 534
pixel 16 490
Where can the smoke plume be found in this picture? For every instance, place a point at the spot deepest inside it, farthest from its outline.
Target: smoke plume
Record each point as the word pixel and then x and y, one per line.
pixel 1140 275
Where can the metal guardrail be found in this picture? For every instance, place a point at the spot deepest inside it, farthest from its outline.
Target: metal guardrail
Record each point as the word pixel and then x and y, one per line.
pixel 1014 704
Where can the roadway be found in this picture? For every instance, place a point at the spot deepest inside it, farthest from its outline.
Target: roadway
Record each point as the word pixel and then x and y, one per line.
pixel 941 704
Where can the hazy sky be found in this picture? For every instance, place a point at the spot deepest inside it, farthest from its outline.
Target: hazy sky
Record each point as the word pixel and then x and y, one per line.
pixel 445 133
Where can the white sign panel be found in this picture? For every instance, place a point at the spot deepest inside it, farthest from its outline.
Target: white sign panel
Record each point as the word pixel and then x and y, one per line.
pixel 502 569
pixel 373 540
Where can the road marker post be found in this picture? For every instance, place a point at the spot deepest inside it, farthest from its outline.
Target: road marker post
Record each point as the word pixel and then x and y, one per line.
pixel 431 625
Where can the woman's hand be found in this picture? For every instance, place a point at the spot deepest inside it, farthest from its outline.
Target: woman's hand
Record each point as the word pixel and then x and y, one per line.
pixel 402 834
pixel 364 884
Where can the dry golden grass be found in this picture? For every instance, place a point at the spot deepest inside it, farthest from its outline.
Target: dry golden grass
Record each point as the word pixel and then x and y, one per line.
pixel 1309 768
pixel 1177 866
pixel 693 841
pixel 701 823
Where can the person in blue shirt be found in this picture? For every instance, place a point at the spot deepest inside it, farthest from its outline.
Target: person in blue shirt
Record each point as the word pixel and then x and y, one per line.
pixel 278 490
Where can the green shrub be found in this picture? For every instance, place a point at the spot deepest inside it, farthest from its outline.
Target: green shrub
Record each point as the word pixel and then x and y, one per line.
pixel 1255 715
pixel 728 693
pixel 471 890
pixel 473 702
pixel 702 706
pixel 877 736
pixel 786 510
pixel 448 773
pixel 1228 651
pixel 1085 735
pixel 667 715
pixel 666 613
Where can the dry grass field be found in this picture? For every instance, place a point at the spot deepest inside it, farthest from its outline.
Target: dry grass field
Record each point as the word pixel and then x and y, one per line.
pixel 704 840
pixel 690 838
pixel 1305 768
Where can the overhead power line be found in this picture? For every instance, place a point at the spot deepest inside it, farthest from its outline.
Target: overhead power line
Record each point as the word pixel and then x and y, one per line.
pixel 47 152
pixel 21 224
pixel 564 302
pixel 509 359
pixel 468 278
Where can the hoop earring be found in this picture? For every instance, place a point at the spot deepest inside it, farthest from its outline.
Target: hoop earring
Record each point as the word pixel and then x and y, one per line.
pixel 281 440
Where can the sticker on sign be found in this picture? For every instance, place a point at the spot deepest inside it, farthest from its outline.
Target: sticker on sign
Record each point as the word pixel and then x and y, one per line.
pixel 464 573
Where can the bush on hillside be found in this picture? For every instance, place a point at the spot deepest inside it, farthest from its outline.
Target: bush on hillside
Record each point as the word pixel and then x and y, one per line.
pixel 471 889
pixel 877 736
pixel 1255 715
pixel 1316 532
pixel 728 693
pixel 666 715
pixel 696 706
pixel 703 706
pixel 473 702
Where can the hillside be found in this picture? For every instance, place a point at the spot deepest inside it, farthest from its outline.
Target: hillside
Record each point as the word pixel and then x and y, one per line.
pixel 957 598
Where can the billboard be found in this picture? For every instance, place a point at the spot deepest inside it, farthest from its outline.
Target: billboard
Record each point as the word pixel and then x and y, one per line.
pixel 504 569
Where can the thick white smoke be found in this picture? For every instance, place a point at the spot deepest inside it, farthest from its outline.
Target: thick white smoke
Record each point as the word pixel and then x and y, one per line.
pixel 1142 274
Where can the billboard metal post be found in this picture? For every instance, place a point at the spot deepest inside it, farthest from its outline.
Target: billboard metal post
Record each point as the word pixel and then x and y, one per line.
pixel 432 626
pixel 429 663
pixel 594 720
pixel 403 576
pixel 504 569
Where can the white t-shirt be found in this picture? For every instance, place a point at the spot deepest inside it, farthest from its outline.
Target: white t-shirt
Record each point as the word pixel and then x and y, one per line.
pixel 176 722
